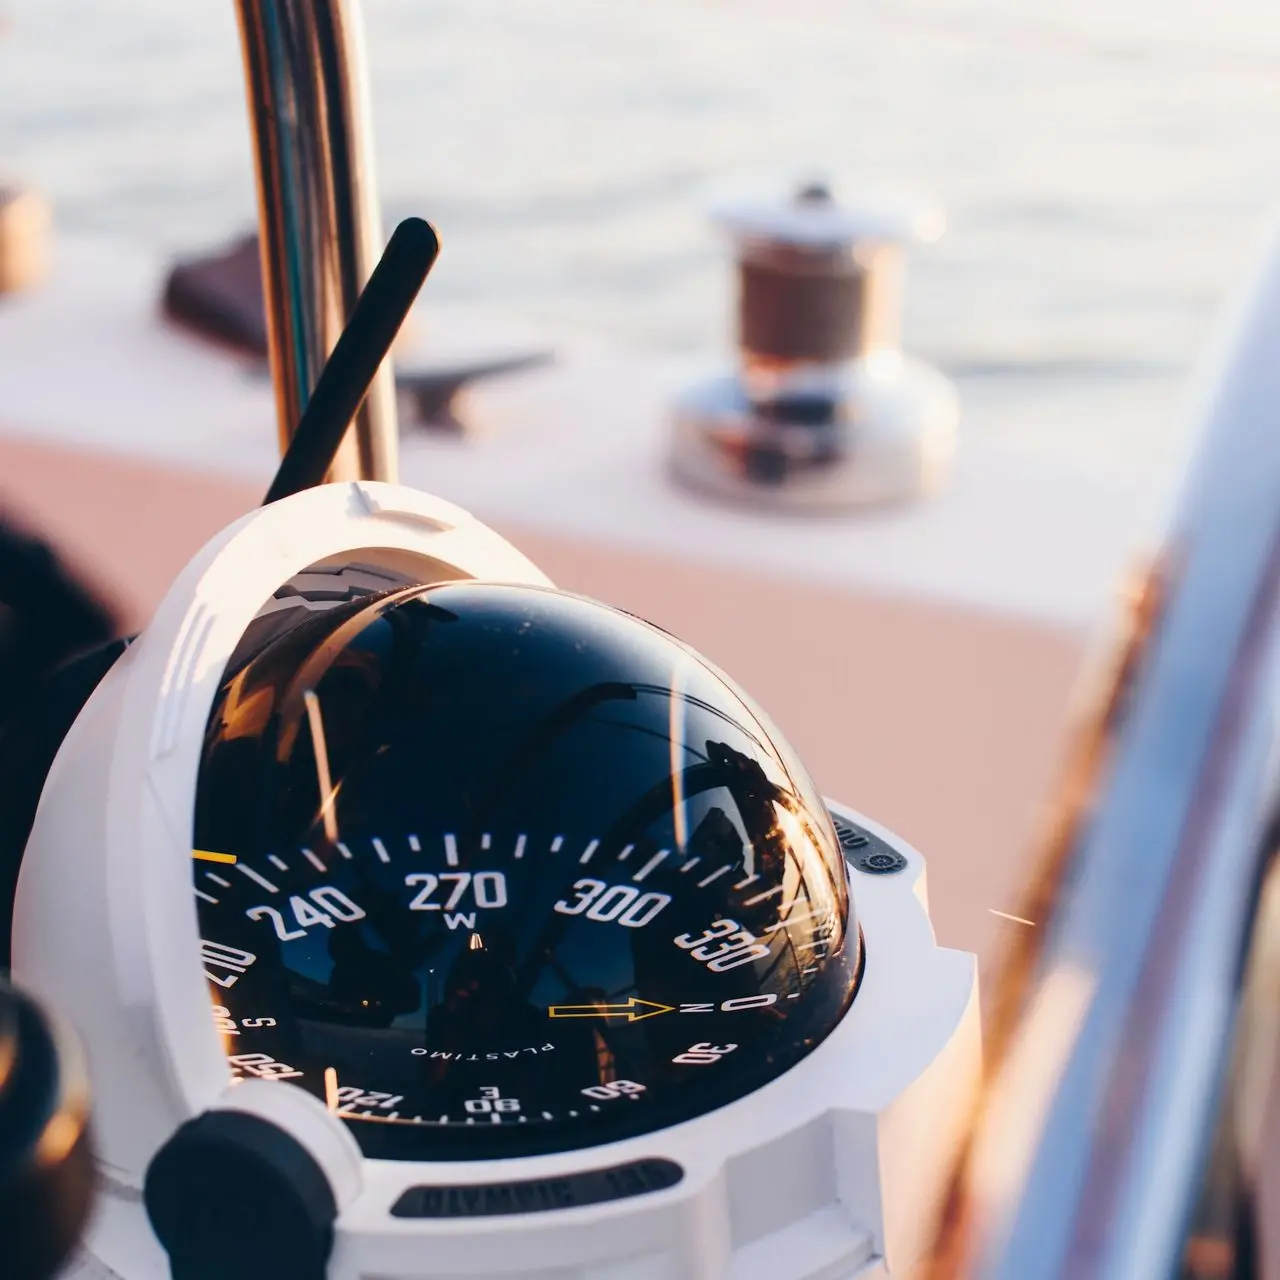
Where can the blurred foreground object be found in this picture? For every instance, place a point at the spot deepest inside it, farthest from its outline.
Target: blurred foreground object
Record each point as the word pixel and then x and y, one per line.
pixel 25 228
pixel 46 615
pixel 1130 1051
pixel 825 412
pixel 46 1159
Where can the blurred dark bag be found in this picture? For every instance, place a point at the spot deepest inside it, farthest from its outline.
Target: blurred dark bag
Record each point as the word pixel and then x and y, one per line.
pixel 219 296
pixel 55 644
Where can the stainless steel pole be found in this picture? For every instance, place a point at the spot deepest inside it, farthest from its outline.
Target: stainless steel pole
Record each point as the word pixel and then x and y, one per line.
pixel 1120 1030
pixel 318 209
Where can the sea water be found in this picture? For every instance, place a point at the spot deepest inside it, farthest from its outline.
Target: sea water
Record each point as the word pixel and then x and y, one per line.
pixel 1106 165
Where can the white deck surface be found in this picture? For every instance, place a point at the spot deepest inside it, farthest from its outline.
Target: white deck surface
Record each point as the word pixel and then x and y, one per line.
pixel 577 449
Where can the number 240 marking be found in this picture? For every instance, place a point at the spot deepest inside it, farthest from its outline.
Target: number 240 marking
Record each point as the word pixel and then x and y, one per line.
pixel 326 905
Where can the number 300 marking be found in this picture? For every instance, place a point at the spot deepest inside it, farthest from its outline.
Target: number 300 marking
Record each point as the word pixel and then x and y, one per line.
pixel 620 902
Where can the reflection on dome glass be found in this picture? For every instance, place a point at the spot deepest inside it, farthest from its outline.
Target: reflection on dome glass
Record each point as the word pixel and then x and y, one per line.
pixel 497 870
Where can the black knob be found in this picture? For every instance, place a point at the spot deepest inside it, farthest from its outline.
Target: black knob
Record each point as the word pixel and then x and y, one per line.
pixel 231 1194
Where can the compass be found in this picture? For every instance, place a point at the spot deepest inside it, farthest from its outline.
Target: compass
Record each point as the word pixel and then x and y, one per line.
pixel 440 922
pixel 495 870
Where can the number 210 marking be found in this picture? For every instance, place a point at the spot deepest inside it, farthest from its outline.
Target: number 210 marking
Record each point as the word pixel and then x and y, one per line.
pixel 216 955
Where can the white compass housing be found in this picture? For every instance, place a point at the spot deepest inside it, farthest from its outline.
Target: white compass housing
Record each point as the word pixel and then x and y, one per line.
pixel 833 1168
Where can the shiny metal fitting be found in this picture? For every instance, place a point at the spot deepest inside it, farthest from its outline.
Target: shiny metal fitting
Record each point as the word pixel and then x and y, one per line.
pixel 825 412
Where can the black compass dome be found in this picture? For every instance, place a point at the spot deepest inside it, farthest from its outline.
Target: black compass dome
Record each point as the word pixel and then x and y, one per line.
pixel 485 707
pixel 459 810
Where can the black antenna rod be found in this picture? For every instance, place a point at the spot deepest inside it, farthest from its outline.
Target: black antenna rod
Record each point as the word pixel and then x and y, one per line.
pixel 361 347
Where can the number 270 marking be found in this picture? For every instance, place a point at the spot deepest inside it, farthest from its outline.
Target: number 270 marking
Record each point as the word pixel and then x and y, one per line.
pixel 489 889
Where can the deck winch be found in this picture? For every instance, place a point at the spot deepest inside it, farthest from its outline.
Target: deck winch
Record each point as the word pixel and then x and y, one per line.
pixel 824 410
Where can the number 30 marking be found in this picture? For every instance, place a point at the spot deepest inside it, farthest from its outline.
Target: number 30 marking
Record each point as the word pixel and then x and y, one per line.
pixel 703 1054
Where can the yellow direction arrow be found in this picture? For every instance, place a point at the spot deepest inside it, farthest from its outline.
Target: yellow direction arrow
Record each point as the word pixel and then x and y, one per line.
pixel 634 1010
